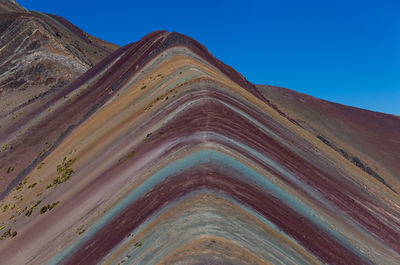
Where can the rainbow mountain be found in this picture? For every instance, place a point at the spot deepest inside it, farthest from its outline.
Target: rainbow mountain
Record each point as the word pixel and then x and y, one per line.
pixel 162 154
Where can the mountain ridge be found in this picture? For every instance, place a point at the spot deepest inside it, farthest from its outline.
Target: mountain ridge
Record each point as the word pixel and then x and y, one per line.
pixel 316 111
pixel 10 6
pixel 161 153
pixel 40 54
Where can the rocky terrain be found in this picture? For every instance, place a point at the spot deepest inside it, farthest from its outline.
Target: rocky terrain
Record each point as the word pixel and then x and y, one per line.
pixel 39 55
pixel 162 154
pixel 7 6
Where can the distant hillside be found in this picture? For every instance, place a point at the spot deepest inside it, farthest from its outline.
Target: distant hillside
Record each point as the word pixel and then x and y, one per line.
pixel 39 54
pixel 10 6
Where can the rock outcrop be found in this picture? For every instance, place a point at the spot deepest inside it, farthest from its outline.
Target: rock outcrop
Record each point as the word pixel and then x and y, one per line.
pixel 39 55
pixel 7 6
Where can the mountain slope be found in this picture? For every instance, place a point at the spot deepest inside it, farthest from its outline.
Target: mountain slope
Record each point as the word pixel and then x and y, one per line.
pixel 368 139
pixel 161 154
pixel 7 6
pixel 39 54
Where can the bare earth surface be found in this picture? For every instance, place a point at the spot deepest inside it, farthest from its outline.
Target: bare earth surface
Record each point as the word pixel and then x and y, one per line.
pixel 162 154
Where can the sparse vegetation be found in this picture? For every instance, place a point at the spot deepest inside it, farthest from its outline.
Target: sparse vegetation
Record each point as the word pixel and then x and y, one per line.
pixel 81 230
pixel 147 136
pixel 5 208
pixel 126 258
pixel 43 210
pixel 19 186
pixel 19 211
pixel 9 234
pixel 40 166
pixel 41 153
pixel 33 206
pixel 148 108
pixel 13 219
pixel 123 160
pixel 32 185
pixel 138 244
pixel 16 115
pixel 29 212
pixel 64 171
pixel 4 147
pixel 9 170
pixel 54 204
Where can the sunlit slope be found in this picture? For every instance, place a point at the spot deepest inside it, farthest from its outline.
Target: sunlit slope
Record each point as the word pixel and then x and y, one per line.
pixel 40 55
pixel 370 140
pixel 163 155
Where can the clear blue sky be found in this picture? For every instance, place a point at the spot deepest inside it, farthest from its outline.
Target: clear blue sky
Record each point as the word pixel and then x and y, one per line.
pixel 346 51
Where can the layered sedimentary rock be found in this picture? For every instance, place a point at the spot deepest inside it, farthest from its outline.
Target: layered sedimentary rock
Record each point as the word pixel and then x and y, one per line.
pixel 368 139
pixel 10 6
pixel 39 55
pixel 161 154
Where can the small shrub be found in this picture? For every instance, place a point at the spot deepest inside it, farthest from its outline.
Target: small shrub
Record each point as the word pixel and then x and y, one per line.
pixel 4 147
pixel 19 186
pixel 43 210
pixel 16 115
pixel 138 244
pixel 54 204
pixel 40 166
pixel 32 185
pixel 123 160
pixel 80 230
pixel 29 212
pixel 147 136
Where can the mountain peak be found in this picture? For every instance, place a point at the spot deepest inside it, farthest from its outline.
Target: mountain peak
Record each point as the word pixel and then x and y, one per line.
pixel 162 154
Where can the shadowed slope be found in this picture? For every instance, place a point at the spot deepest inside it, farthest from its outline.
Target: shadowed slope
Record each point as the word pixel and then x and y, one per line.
pixel 162 154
